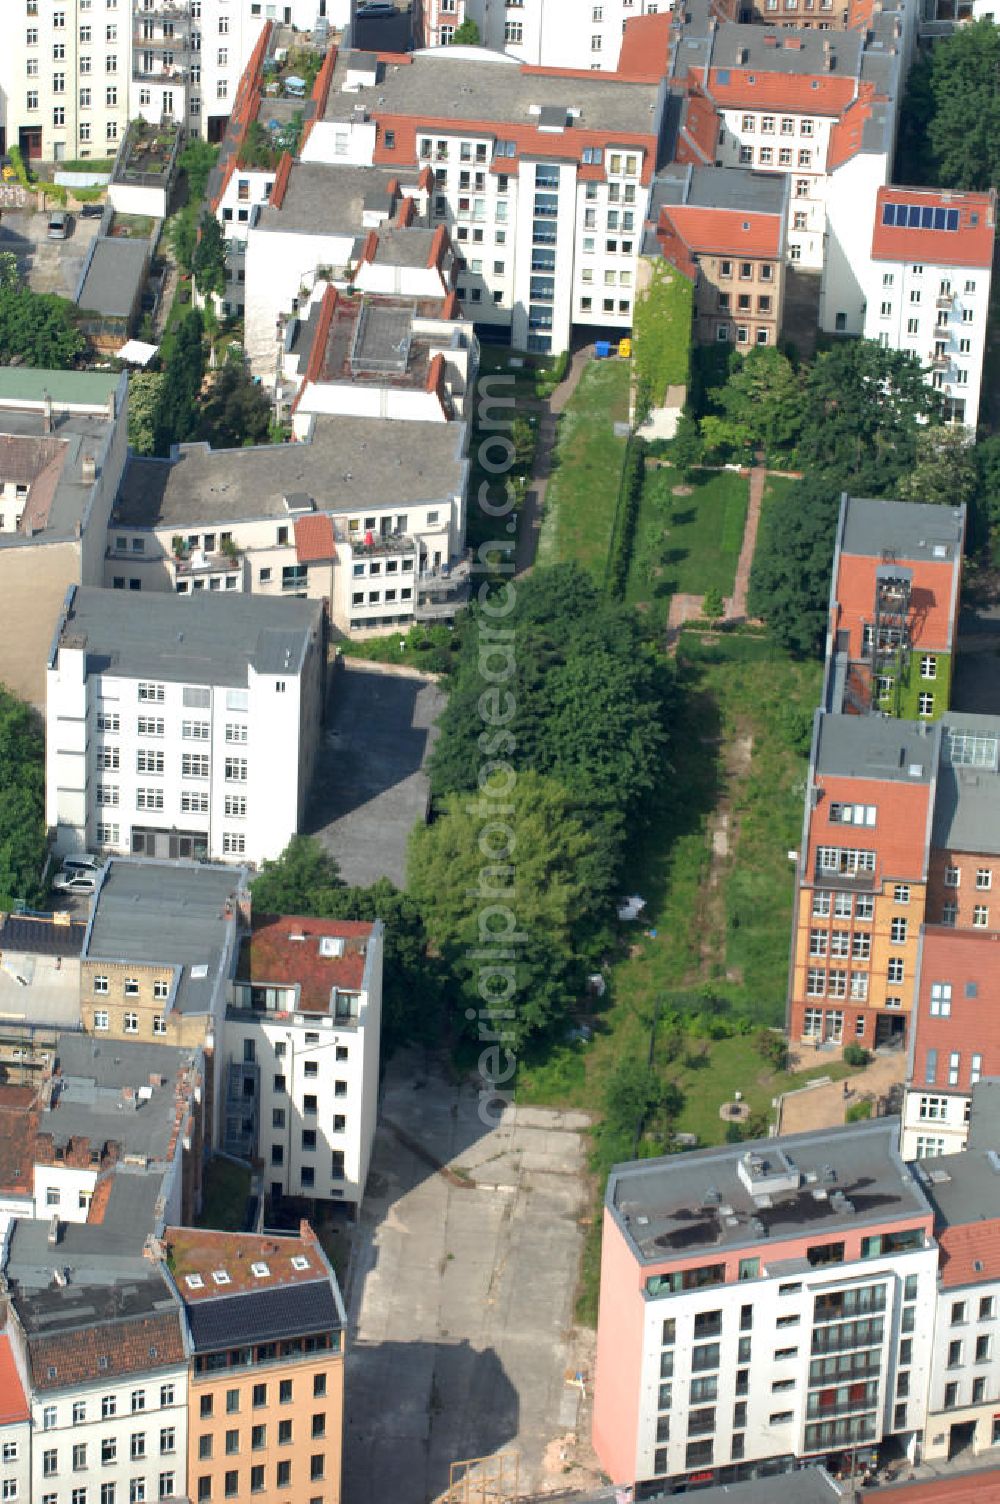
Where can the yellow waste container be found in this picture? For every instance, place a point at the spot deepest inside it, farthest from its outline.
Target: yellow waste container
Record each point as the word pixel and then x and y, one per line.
pixel 625 348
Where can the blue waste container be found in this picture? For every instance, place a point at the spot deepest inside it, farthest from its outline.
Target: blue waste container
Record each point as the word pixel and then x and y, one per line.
pixel 603 349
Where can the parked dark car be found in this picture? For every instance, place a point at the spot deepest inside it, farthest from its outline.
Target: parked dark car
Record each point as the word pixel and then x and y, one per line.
pixel 91 211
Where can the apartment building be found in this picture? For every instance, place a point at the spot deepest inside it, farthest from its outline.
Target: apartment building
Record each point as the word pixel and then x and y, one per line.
pixel 894 598
pixel 65 77
pixel 15 1429
pixel 340 518
pixel 302 1054
pixel 861 879
pixel 541 176
pixel 548 33
pixel 182 728
pixel 265 1331
pixel 63 444
pixel 725 231
pixel 102 1360
pixel 927 286
pixel 376 355
pixel 803 1263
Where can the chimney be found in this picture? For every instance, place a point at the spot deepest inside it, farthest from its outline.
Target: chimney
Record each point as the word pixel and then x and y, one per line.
pixel 54 1231
pixel 46 413
pixel 88 469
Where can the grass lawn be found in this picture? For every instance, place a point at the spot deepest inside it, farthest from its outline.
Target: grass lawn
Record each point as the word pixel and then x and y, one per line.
pixel 225 1191
pixel 688 543
pixel 586 467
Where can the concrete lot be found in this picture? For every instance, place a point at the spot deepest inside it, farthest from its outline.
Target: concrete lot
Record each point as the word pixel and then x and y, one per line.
pixel 370 788
pixel 461 1291
pixel 49 265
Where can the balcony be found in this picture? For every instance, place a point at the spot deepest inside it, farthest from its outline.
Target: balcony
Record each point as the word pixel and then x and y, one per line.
pixel 939 360
pixel 945 300
pixel 942 331
pixel 369 543
pixel 442 591
pixel 198 563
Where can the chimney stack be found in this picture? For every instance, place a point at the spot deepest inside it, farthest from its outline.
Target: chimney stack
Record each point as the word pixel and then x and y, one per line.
pixel 46 413
pixel 88 469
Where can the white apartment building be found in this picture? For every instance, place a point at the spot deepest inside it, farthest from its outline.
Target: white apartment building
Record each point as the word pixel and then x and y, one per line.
pixel 927 286
pixel 64 77
pixel 761 1305
pixel 373 530
pixel 553 33
pixel 302 1054
pixel 541 179
pixel 15 1429
pixel 180 728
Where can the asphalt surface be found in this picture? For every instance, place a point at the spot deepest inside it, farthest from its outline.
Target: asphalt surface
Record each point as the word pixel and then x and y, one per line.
pixel 49 265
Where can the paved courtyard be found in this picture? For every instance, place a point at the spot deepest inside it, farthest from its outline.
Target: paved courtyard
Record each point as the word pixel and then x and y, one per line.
pixel 370 787
pixel 461 1291
pixel 49 265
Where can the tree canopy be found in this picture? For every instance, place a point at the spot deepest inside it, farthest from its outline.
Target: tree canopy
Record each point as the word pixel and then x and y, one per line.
pixel 37 329
pixel 950 122
pixel 208 260
pixel 466 35
pixel 22 803
pixel 790 580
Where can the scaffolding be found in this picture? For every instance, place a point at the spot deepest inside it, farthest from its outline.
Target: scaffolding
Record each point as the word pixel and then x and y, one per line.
pixel 484 1480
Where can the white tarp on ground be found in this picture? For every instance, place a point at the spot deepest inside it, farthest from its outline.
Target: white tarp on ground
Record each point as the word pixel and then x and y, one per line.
pixel 136 353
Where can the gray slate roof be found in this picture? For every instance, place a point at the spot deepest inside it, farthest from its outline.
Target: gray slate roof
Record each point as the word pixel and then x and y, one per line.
pixel 263 1315
pixel 908 529
pixel 87 1098
pixel 193 639
pixel 114 277
pixel 719 188
pixel 325 198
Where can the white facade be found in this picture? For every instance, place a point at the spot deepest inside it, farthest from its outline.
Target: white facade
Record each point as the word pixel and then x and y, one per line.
pixel 934 1123
pixel 318 1080
pixel 940 314
pixel 554 33
pixel 752 1358
pixel 965 1376
pixel 851 195
pixel 121 1431
pixel 15 1461
pixel 796 145
pixel 153 766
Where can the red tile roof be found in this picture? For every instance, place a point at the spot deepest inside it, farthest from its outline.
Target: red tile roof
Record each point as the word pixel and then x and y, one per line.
pixel 314 539
pixel 699 130
pixel 645 44
pixel 725 232
pixel 966 1247
pixel 846 135
pixel 272 955
pixel 969 245
pixel 202 1253
pixel 802 93
pixel 13 1405
pixel 317 354
pixel 18 1135
pixel 965 1488
pixel 245 106
pixel 528 140
pixel 281 177
pixel 109 1348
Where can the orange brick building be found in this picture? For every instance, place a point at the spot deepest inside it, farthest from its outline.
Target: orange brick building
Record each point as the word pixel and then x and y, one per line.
pixel 266 1326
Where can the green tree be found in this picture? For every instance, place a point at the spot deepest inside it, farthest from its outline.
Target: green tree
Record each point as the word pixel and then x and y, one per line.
pixel 9 275
pixel 208 263
pixel 235 410
pixel 944 473
pixel 196 162
pixel 954 101
pixel 760 407
pixel 38 329
pixel 145 395
pixel 635 1100
pixel 183 359
pixel 466 35
pixel 22 803
pixel 862 410
pixel 790 578
pixel 712 604
pixel 294 881
pixel 183 236
pixel 686 448
pixel 542 878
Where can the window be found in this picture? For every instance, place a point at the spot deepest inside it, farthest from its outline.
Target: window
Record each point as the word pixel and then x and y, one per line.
pixel 897 931
pixel 236 770
pixel 895 969
pixel 901 893
pixel 940 999
pixel 981 916
pixel 952 877
pixel 194 765
pixel 925 704
pixel 954 1062
pixel 168 1436
pixel 137 1445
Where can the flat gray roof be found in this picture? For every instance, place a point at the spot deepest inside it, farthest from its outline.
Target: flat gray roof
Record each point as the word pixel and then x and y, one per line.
pixel 808 1485
pixel 404 245
pixel 908 529
pixel 797 50
pixel 193 638
pixel 346 466
pixel 871 746
pixel 105 1253
pixel 984 1119
pixel 437 86
pixel 87 1098
pixel 324 198
pixel 167 914
pixel 967 807
pixel 689 1204
pixel 114 277
pixel 719 188
pixel 961 1187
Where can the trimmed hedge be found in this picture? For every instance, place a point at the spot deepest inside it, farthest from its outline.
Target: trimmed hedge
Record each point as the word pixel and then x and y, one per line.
pixel 626 518
pixel 661 336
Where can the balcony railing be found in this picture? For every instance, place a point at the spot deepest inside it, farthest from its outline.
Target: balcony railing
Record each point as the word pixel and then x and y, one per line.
pixel 944 300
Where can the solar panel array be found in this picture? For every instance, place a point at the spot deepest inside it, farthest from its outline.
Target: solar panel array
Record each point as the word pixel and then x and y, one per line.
pixel 919 217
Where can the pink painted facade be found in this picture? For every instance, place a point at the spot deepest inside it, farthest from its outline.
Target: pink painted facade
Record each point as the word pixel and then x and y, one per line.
pixel 619 1355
